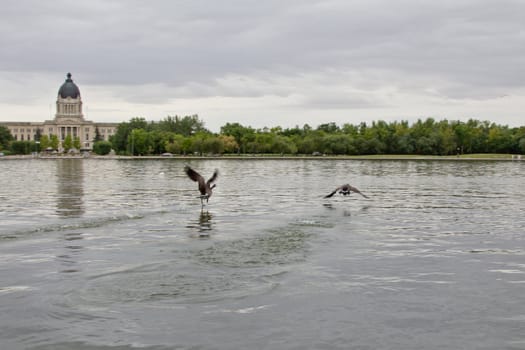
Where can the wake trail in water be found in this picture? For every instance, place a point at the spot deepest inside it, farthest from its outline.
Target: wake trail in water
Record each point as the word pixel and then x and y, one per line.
pixel 20 230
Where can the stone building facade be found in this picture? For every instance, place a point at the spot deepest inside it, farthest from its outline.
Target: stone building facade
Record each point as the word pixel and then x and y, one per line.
pixel 69 120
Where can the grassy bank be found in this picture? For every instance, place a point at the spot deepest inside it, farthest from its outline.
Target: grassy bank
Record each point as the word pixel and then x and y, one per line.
pixel 478 156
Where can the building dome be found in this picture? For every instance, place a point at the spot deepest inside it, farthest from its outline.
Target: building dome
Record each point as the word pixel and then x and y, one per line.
pixel 69 88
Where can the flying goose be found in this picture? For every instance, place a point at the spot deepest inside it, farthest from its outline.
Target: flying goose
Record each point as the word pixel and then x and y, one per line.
pixel 345 190
pixel 205 187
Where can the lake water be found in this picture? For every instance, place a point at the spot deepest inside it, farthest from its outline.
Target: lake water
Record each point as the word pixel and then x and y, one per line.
pixel 118 254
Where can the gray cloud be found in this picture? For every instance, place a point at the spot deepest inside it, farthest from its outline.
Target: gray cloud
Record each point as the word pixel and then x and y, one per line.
pixel 160 51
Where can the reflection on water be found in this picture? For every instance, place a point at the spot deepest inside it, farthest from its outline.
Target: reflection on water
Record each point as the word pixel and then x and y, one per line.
pixel 346 208
pixel 69 257
pixel 70 191
pixel 203 224
pixel 205 221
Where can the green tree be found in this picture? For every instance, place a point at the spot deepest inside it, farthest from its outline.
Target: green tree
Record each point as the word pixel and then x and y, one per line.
pixel 5 137
pixel 54 142
pixel 119 140
pixel 213 145
pixel 402 139
pixel 21 147
pixel 168 124
pixel 174 145
pixel 521 145
pixel 499 139
pixel 296 131
pixel 44 142
pixel 446 142
pixel 229 143
pixel 329 128
pixel 140 142
pixel 242 134
pixel 476 133
pixel 198 145
pixel 161 139
pixel 102 147
pixel 282 145
pixel 263 142
pixel 189 125
pixel 67 144
pixel 76 142
pixel 338 144
pixel 463 137
pixel 311 143
pixel 186 145
pixel 518 140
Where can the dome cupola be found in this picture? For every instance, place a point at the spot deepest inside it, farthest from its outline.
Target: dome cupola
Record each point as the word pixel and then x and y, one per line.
pixel 69 88
pixel 69 102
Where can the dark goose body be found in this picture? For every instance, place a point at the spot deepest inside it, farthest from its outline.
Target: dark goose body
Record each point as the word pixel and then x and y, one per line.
pixel 205 187
pixel 345 190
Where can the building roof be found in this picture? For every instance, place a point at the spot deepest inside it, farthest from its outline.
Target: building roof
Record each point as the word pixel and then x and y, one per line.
pixel 69 88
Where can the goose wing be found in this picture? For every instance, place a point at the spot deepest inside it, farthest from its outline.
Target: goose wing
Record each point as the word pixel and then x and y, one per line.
pixel 195 176
pixel 334 192
pixel 353 189
pixel 213 178
pixel 192 174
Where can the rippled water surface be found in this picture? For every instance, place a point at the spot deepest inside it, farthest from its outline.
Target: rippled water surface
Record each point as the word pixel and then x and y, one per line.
pixel 118 254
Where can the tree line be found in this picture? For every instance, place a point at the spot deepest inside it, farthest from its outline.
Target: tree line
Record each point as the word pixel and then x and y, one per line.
pixel 188 135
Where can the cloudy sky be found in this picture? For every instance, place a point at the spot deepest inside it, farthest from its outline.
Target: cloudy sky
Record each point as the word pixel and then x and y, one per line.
pixel 266 62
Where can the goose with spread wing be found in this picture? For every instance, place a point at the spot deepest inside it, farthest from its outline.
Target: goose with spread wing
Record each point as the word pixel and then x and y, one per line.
pixel 205 187
pixel 345 190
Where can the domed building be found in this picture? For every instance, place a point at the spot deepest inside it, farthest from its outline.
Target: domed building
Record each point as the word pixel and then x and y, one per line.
pixel 69 121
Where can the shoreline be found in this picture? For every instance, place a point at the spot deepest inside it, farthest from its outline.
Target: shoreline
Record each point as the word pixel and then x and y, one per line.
pixel 465 157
